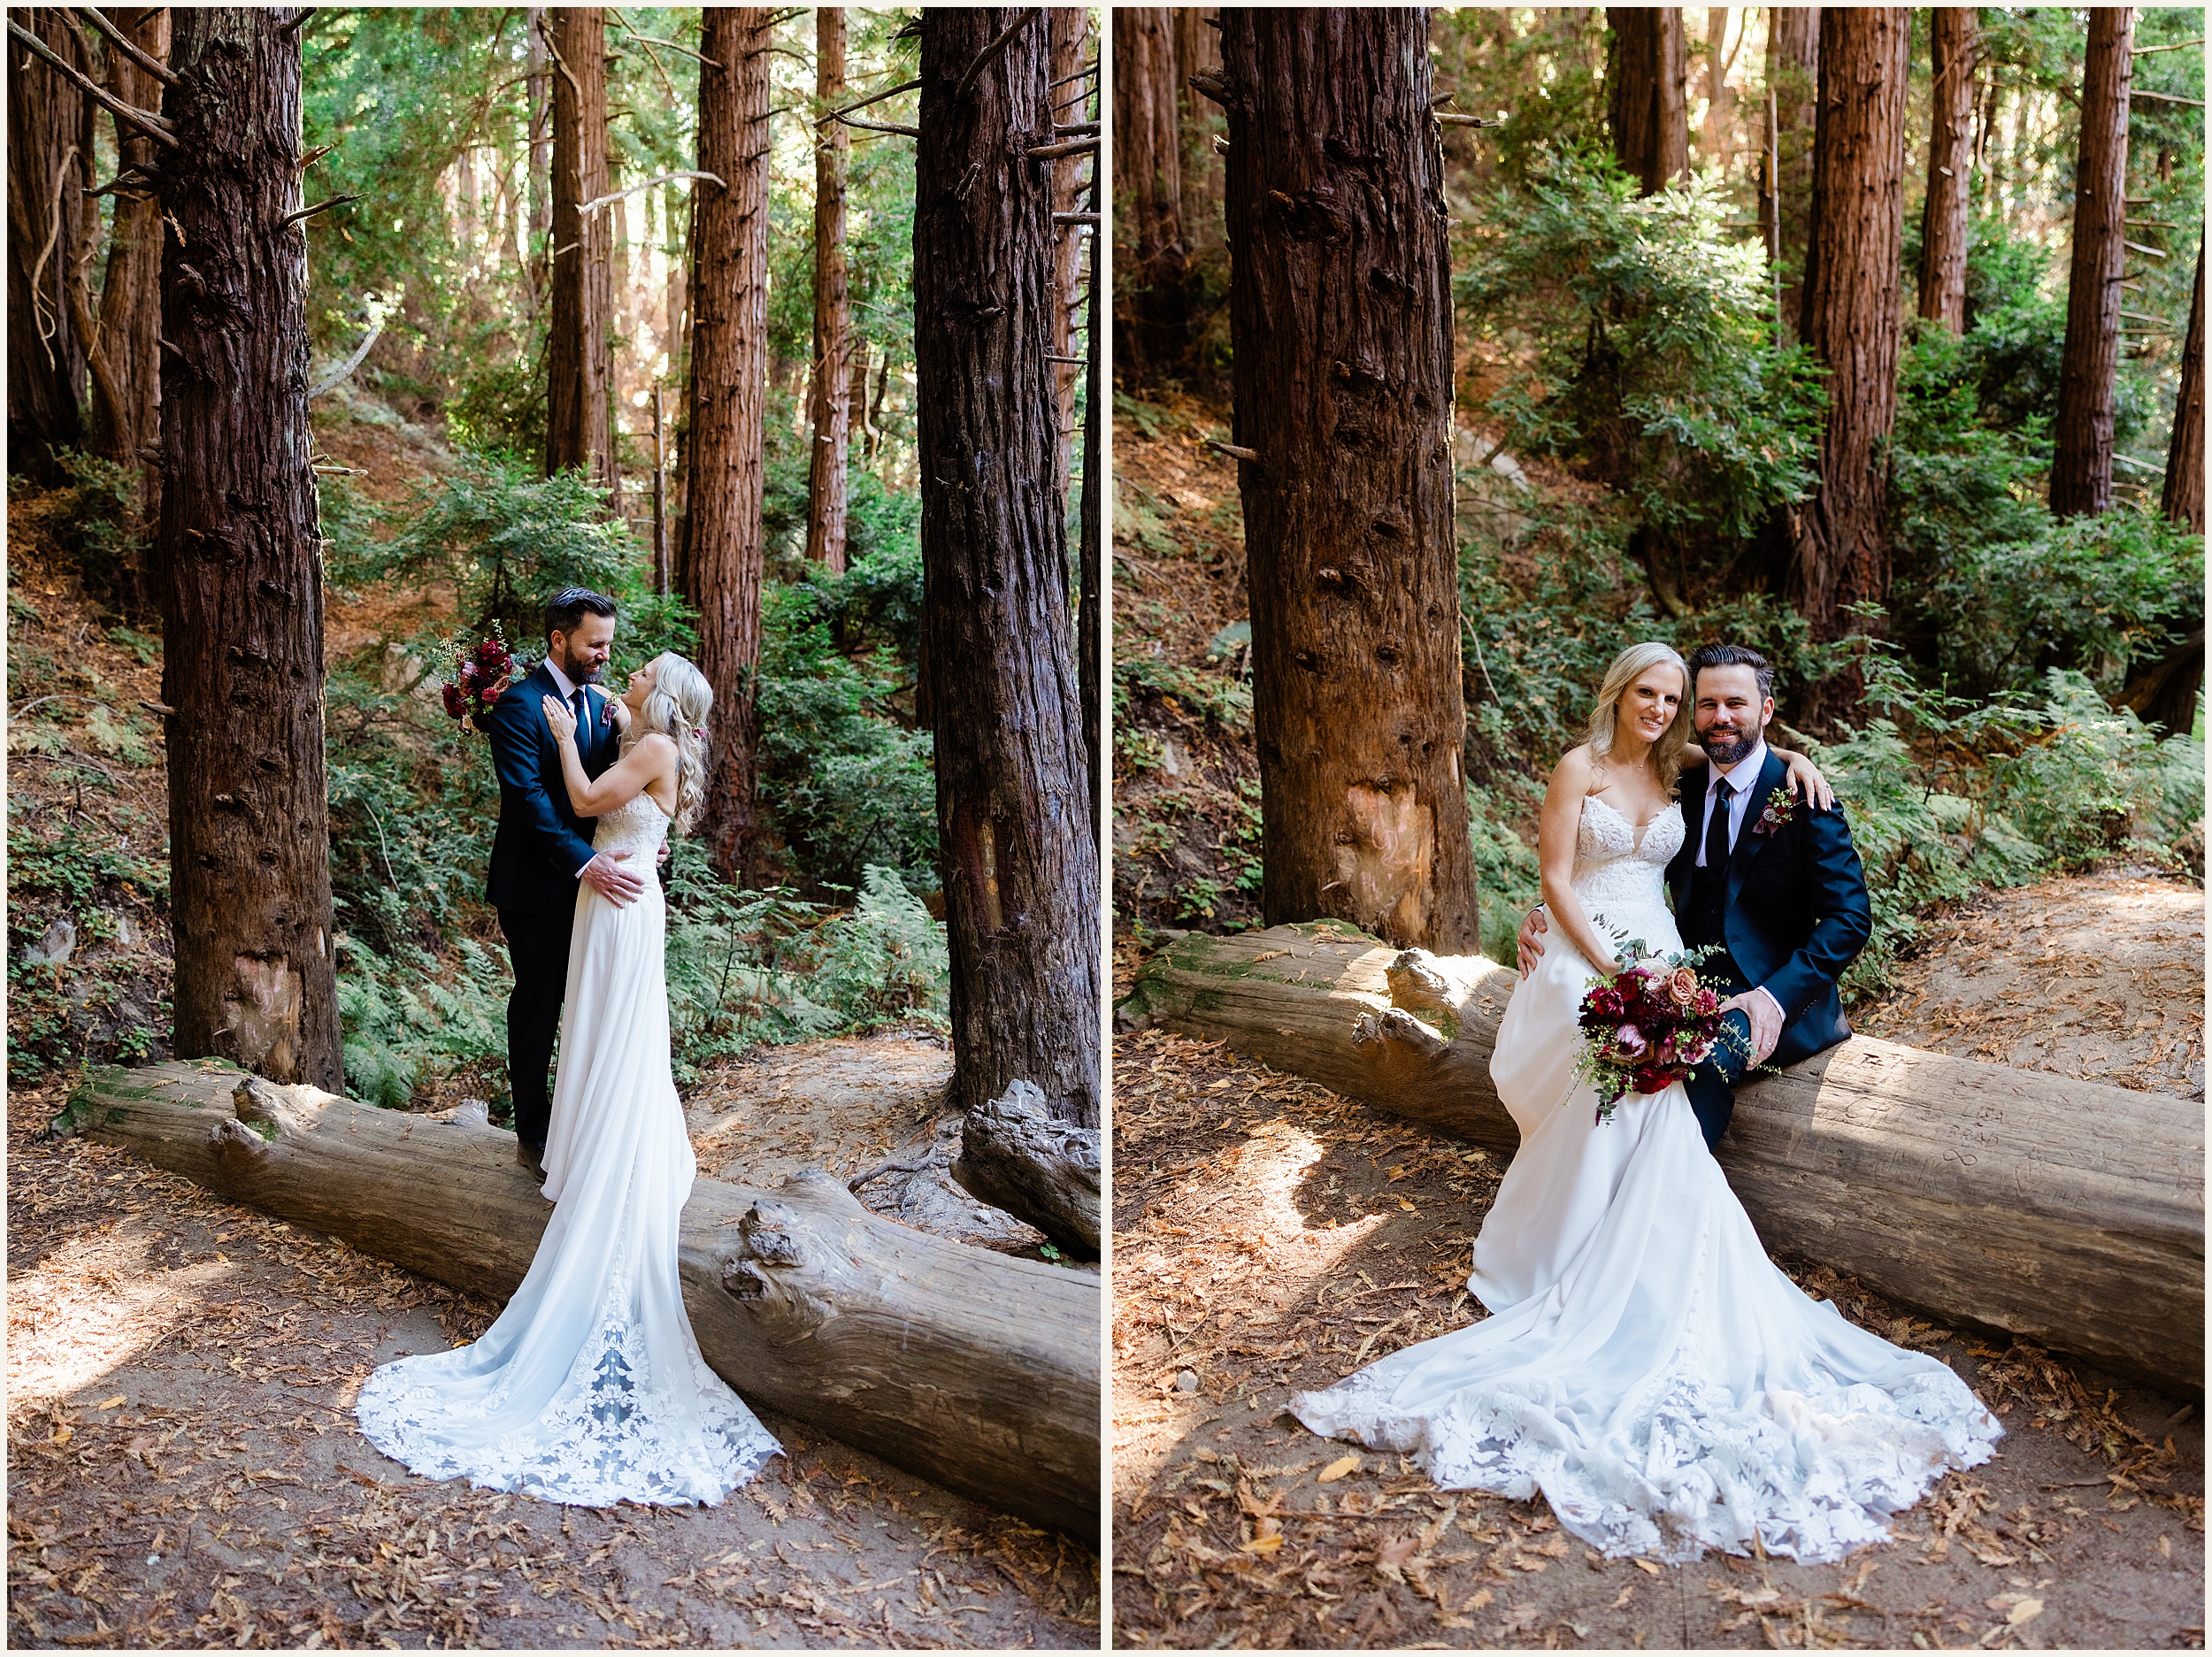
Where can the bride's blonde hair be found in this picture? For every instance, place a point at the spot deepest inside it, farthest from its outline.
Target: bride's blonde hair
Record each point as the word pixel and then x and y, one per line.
pixel 677 707
pixel 1629 666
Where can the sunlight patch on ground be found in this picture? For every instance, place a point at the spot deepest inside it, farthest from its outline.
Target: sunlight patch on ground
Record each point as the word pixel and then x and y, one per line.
pixel 92 1306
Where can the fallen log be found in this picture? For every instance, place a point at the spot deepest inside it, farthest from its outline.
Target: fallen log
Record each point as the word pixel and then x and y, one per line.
pixel 1014 1157
pixel 2066 1212
pixel 971 1369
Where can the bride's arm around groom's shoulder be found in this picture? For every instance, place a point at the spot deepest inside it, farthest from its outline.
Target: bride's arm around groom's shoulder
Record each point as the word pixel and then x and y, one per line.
pixel 651 758
pixel 516 731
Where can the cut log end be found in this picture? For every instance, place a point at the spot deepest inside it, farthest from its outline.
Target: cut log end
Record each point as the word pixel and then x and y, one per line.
pixel 1014 1155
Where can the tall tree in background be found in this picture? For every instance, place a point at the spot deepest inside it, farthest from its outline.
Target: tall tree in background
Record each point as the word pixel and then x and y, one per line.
pixel 579 351
pixel 1341 311
pixel 1149 176
pixel 832 378
pixel 2081 467
pixel 2182 500
pixel 729 385
pixel 1944 222
pixel 1645 94
pixel 123 349
pixel 537 61
pixel 1018 864
pixel 1851 322
pixel 1071 90
pixel 239 543
pixel 1794 81
pixel 49 132
pixel 1720 103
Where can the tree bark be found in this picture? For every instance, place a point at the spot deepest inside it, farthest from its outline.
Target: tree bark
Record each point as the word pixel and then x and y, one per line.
pixel 580 350
pixel 2182 498
pixel 1341 314
pixel 963 1366
pixel 1090 609
pixel 1017 857
pixel 126 365
pixel 1944 222
pixel 1202 210
pixel 1851 322
pixel 1070 34
pixel 46 181
pixel 1646 98
pixel 1148 166
pixel 2081 467
pixel 239 546
pixel 537 64
pixel 729 382
pixel 2060 1211
pixel 831 378
pixel 1720 114
pixel 1793 78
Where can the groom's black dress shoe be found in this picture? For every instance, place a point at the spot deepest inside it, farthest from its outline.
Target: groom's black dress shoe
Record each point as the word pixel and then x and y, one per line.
pixel 532 1158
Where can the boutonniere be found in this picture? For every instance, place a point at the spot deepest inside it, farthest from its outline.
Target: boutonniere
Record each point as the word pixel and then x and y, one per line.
pixel 1781 811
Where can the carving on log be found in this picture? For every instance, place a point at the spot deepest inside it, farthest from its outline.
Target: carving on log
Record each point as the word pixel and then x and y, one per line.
pixel 967 1368
pixel 2064 1212
pixel 1014 1155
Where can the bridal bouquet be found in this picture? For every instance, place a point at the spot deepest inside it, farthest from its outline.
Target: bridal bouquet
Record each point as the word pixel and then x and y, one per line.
pixel 1646 1027
pixel 480 677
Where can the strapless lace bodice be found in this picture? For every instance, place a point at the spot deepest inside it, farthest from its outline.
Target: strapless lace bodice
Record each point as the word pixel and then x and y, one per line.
pixel 1614 872
pixel 638 826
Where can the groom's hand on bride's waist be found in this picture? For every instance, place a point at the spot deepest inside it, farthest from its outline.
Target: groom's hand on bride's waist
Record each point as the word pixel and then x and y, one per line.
pixel 612 881
pixel 1527 945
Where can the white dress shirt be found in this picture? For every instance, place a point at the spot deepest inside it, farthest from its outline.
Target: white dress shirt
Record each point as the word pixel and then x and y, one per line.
pixel 1742 778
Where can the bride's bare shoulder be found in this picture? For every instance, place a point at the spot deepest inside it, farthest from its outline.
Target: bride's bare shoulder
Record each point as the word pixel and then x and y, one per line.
pixel 1574 769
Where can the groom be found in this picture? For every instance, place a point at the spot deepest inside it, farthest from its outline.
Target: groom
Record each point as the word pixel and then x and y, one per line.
pixel 1772 882
pixel 543 849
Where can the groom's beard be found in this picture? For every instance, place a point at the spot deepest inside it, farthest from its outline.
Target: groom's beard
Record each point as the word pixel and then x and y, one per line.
pixel 1726 748
pixel 580 672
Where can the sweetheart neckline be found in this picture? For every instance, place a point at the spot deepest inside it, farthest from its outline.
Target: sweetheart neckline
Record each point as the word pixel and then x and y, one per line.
pixel 1637 829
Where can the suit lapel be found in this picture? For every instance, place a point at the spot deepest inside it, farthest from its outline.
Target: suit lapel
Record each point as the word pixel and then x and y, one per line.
pixel 1749 845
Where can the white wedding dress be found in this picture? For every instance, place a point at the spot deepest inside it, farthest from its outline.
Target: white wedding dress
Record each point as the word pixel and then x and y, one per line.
pixel 1645 1365
pixel 590 1387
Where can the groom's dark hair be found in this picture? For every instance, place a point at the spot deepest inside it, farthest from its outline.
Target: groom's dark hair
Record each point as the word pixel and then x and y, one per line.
pixel 1731 655
pixel 571 605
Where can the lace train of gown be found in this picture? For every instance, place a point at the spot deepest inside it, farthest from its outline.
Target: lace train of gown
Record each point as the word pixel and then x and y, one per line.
pixel 1645 1365
pixel 590 1387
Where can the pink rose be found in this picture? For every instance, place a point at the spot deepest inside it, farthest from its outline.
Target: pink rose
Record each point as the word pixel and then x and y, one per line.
pixel 1682 986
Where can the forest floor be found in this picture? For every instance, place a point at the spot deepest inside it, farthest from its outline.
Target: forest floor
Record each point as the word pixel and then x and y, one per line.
pixel 1250 1206
pixel 182 1464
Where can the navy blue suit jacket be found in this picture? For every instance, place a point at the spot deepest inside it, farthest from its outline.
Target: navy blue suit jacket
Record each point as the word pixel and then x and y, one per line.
pixel 1797 913
pixel 542 843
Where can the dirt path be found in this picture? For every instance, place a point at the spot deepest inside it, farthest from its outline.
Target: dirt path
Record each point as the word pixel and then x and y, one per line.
pixel 1272 1237
pixel 184 1469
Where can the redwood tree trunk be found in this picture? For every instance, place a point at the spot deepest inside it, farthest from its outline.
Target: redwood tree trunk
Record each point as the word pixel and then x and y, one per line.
pixel 729 383
pixel 46 172
pixel 1851 322
pixel 1341 314
pixel 1149 176
pixel 1646 101
pixel 1794 77
pixel 1071 99
pixel 579 353
pixel 1944 222
pixel 2183 499
pixel 239 545
pixel 832 378
pixel 2081 468
pixel 1719 97
pixel 541 142
pixel 1018 862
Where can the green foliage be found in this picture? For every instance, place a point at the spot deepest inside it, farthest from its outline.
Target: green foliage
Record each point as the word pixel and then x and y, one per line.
pixel 747 967
pixel 1508 882
pixel 412 1023
pixel 105 528
pixel 852 788
pixel 507 539
pixel 1639 347
pixel 67 872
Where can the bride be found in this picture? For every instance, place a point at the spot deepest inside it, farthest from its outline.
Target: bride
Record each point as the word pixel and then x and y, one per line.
pixel 1645 1365
pixel 590 1387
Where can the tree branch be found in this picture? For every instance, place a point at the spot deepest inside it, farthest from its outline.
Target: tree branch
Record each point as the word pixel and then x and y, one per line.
pixel 597 202
pixel 879 126
pixel 319 207
pixel 984 57
pixel 153 126
pixel 1073 147
pixel 129 48
pixel 876 97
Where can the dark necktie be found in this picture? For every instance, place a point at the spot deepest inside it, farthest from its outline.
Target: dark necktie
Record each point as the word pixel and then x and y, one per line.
pixel 1716 830
pixel 583 719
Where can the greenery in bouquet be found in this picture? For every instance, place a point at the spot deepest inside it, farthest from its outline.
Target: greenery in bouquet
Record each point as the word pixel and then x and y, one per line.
pixel 480 676
pixel 1646 1026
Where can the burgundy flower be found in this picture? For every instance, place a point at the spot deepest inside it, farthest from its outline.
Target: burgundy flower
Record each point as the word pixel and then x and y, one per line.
pixel 454 705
